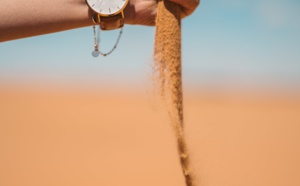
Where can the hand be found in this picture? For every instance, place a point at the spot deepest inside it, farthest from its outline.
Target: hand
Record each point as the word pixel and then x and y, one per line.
pixel 143 12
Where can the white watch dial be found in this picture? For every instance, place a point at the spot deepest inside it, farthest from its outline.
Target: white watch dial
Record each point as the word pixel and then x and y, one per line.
pixel 107 7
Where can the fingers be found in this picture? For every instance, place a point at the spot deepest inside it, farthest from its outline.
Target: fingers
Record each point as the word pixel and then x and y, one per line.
pixel 188 6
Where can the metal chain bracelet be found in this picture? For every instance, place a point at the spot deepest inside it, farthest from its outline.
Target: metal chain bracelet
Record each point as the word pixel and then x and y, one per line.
pixel 97 51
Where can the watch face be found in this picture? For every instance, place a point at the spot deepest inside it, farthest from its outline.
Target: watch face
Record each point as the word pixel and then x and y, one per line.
pixel 107 7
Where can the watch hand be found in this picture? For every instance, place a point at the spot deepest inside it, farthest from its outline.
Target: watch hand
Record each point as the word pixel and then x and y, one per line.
pixel 100 3
pixel 113 2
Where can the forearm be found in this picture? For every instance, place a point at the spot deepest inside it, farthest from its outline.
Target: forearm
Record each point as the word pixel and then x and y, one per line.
pixel 25 18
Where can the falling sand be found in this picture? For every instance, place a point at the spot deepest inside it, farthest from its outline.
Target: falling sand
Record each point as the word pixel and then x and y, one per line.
pixel 168 69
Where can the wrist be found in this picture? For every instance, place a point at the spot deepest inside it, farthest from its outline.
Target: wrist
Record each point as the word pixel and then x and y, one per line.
pixel 129 14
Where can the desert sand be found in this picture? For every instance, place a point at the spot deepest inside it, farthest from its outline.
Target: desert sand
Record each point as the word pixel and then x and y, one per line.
pixel 52 137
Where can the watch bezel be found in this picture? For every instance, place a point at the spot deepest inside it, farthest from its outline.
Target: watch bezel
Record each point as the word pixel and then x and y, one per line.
pixel 107 15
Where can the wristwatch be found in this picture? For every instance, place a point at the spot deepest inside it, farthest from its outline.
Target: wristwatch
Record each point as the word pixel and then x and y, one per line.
pixel 108 14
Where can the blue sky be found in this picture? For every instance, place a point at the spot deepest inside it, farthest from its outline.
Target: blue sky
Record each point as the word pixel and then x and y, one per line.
pixel 226 43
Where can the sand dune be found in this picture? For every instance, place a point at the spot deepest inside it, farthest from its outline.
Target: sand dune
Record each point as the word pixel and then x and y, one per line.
pixel 117 138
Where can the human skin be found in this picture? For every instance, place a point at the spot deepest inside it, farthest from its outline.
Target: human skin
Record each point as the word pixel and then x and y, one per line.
pixel 20 18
